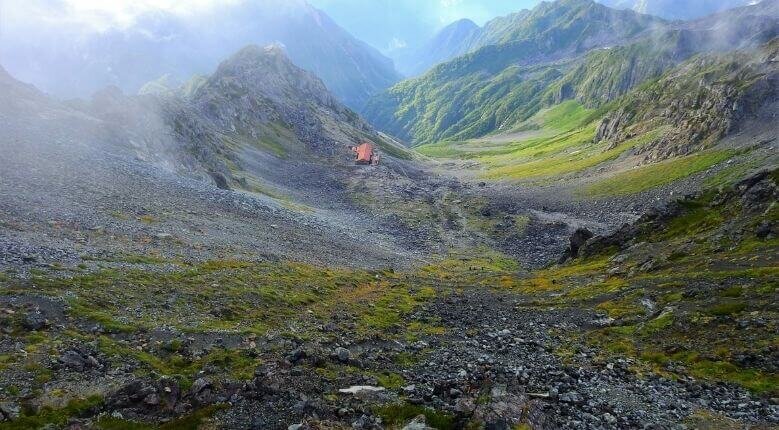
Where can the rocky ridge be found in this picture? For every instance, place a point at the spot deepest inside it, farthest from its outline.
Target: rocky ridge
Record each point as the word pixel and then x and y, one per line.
pixel 702 101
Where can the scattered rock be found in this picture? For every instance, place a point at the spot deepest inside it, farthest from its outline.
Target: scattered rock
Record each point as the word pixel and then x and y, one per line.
pixel 418 423
pixel 366 422
pixel 342 354
pixel 35 321
pixel 199 385
pixel 572 397
pixel 297 355
pixel 357 389
pixel 9 411
pixel 77 361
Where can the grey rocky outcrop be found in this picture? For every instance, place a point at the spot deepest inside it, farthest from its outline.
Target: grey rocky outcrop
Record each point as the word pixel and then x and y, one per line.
pixel 756 193
pixel 693 109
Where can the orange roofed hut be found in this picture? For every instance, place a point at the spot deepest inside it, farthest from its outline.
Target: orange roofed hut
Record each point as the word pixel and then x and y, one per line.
pixel 365 154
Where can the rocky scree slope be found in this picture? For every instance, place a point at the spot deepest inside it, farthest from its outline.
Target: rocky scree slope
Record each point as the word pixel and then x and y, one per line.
pixel 472 342
pixel 120 175
pixel 692 285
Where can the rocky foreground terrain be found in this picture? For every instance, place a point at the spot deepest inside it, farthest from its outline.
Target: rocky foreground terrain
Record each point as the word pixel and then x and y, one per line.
pixel 666 323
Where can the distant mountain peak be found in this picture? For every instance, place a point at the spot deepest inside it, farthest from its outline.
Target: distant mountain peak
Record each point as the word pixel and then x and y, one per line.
pixel 675 9
pixel 255 52
pixel 462 27
pixel 266 73
pixel 464 22
pixel 261 63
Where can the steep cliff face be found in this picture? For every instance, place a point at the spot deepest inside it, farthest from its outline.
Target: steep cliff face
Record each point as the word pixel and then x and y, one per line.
pixel 702 100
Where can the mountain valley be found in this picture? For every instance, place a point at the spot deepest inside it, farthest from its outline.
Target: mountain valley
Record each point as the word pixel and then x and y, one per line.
pixel 572 225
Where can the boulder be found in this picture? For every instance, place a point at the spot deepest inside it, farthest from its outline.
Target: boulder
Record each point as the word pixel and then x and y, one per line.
pixel 9 411
pixel 418 423
pixel 199 385
pixel 35 321
pixel 220 180
pixel 578 239
pixel 342 354
pixel 764 229
pixel 74 361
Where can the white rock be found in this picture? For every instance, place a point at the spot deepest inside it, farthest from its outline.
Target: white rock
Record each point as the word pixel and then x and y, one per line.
pixel 356 389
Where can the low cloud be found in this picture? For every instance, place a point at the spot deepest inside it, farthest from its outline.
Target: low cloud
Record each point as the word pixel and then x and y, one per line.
pixel 97 15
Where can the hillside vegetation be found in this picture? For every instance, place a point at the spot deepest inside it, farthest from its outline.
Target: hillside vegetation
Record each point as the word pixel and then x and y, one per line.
pixel 561 50
pixel 679 117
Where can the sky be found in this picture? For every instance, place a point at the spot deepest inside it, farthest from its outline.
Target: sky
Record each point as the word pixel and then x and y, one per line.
pixel 385 24
pixel 388 24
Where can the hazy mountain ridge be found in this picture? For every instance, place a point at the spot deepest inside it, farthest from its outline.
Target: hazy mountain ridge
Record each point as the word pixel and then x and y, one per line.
pixel 162 44
pixel 460 38
pixel 256 104
pixel 448 43
pixel 433 106
pixel 584 20
pixel 672 9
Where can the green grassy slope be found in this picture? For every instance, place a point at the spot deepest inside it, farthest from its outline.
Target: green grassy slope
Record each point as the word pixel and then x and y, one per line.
pixel 689 292
pixel 530 61
pixel 659 132
pixel 505 83
pixel 653 175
